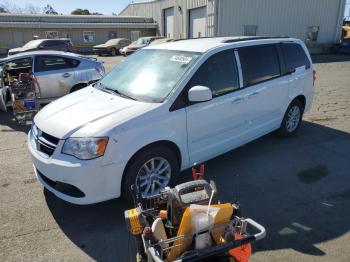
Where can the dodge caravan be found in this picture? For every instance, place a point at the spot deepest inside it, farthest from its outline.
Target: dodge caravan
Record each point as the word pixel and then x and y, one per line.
pixel 165 108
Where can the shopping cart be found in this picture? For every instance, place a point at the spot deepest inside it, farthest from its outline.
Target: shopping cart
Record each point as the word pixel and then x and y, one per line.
pixel 164 228
pixel 235 246
pixel 25 95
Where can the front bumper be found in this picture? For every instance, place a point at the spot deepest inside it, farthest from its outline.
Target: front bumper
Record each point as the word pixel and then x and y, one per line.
pixel 95 181
pixel 126 52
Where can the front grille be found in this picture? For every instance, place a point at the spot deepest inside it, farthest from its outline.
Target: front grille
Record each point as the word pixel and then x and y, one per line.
pixel 44 142
pixel 64 188
pixel 50 138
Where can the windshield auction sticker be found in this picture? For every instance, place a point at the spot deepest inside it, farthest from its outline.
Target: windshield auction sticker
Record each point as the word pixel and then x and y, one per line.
pixel 181 59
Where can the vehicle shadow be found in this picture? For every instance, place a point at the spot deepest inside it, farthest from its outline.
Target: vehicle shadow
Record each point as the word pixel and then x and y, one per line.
pixel 330 58
pixel 7 119
pixel 298 188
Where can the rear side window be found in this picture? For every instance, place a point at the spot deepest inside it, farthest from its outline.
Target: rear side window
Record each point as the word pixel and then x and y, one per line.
pixel 219 73
pixel 52 43
pixel 48 63
pixel 48 43
pixel 294 57
pixel 259 63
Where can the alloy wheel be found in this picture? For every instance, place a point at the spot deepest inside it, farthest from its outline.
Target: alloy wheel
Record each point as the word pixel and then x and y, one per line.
pixel 153 176
pixel 293 119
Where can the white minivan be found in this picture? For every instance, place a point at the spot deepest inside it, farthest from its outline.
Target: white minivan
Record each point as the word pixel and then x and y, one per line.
pixel 165 108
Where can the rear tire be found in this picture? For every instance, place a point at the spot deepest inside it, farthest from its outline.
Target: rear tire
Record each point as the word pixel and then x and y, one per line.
pixel 292 119
pixel 152 181
pixel 113 52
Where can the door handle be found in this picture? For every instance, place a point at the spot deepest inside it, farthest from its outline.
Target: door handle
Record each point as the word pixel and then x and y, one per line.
pixel 253 95
pixel 65 75
pixel 237 100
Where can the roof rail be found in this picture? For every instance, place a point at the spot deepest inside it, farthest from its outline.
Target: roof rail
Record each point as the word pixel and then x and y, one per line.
pixel 245 38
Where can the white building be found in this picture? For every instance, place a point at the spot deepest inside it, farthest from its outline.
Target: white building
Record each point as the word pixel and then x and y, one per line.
pixel 85 31
pixel 317 22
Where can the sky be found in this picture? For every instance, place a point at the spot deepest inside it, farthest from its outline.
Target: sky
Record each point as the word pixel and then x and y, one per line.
pixel 347 8
pixel 66 6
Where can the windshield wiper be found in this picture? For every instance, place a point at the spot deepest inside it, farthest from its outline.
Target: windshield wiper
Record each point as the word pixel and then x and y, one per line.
pixel 121 94
pixel 114 91
pixel 103 88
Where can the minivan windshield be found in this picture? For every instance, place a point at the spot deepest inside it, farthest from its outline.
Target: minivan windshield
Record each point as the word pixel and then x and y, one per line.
pixel 149 75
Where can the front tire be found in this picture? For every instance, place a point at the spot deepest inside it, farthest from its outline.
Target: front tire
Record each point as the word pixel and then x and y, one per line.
pixel 292 119
pixel 151 170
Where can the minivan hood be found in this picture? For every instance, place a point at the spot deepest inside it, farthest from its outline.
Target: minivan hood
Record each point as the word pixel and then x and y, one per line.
pixel 71 113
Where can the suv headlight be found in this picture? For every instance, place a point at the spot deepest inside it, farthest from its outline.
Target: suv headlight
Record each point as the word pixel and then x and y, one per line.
pixel 85 148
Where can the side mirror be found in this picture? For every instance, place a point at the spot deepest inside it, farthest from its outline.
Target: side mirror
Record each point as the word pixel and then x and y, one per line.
pixel 40 46
pixel 199 94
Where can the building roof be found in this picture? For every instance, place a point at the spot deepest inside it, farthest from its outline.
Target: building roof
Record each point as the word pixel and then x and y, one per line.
pixel 138 3
pixel 74 21
pixel 205 44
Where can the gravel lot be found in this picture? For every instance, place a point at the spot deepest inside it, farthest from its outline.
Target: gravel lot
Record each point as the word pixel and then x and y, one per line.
pixel 298 188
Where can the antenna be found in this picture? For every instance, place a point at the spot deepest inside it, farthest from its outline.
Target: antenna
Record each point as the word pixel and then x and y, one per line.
pixel 236 197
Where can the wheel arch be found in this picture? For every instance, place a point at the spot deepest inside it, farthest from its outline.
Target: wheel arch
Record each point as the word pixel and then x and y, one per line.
pixel 78 86
pixel 169 144
pixel 302 100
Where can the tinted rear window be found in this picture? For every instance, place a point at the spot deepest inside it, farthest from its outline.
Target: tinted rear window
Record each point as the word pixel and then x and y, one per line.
pixel 48 63
pixel 259 63
pixel 54 43
pixel 294 57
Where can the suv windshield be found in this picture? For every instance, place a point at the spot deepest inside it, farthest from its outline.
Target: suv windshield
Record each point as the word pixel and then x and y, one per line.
pixel 143 41
pixel 112 41
pixel 32 44
pixel 149 75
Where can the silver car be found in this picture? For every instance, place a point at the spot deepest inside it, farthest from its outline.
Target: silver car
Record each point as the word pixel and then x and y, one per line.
pixel 111 47
pixel 55 73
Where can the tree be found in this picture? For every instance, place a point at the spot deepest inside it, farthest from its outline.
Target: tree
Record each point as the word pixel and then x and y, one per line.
pixel 49 10
pixel 3 9
pixel 80 11
pixel 13 8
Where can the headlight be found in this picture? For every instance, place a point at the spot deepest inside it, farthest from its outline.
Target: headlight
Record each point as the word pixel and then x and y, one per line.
pixel 35 130
pixel 85 148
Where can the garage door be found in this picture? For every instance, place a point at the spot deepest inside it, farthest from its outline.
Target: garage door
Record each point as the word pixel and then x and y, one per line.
pixel 169 22
pixel 197 22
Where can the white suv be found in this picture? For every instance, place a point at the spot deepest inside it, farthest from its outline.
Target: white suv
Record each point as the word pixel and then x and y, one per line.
pixel 165 108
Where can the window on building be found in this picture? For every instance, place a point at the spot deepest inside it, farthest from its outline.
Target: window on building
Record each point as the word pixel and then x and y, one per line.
pixel 135 35
pixel 294 57
pixel 89 36
pixel 112 34
pixel 51 34
pixel 48 63
pixel 219 73
pixel 250 30
pixel 312 33
pixel 259 63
